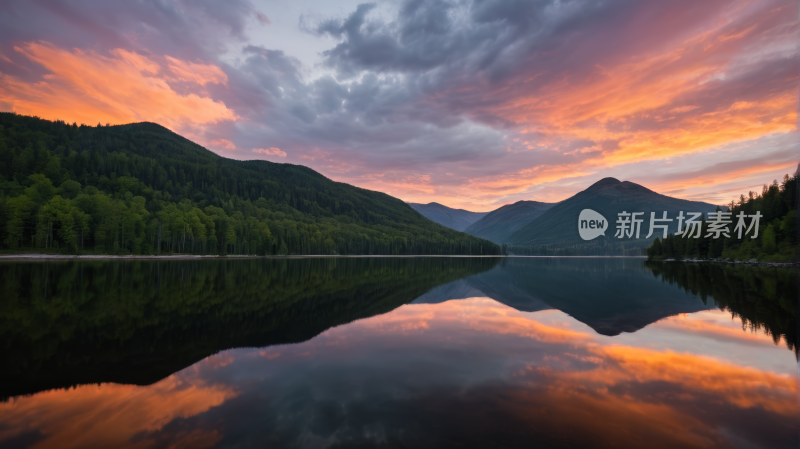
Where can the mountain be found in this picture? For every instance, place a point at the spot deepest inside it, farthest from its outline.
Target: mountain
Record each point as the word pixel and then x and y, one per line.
pixel 141 189
pixel 458 219
pixel 558 226
pixel 499 224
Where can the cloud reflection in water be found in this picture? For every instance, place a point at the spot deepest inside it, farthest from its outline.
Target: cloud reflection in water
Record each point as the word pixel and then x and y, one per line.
pixel 440 375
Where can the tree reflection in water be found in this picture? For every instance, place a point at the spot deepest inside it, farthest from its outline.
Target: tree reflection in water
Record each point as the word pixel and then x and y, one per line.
pixel 467 367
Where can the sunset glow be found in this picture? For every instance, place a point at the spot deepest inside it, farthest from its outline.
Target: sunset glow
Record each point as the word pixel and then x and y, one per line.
pixel 77 89
pixel 537 104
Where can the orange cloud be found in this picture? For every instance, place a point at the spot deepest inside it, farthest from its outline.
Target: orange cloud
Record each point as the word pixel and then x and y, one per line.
pixel 125 87
pixel 270 151
pixel 224 143
pixel 520 181
pixel 110 415
pixel 196 73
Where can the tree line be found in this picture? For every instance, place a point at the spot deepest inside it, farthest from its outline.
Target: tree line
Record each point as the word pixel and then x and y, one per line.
pixel 777 236
pixel 141 189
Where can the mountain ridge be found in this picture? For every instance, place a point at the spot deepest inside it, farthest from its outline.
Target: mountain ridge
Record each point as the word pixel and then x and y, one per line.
pixel 177 196
pixel 457 219
pixel 498 225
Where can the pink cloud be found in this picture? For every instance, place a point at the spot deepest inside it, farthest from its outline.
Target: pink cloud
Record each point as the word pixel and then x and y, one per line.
pixel 270 151
pixel 224 143
pixel 262 18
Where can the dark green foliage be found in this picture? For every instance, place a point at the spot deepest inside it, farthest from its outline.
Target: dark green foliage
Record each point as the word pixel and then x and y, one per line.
pixel 655 248
pixel 776 240
pixel 110 189
pixel 68 323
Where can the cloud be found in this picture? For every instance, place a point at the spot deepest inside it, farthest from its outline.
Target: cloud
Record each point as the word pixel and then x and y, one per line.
pixel 198 73
pixel 87 87
pixel 263 18
pixel 657 79
pixel 197 29
pixel 223 143
pixel 270 151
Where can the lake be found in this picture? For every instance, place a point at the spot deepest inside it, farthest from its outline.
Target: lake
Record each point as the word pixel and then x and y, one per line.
pixel 398 353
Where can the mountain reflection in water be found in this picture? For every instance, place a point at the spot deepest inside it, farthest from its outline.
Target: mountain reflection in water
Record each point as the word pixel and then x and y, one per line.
pixel 462 352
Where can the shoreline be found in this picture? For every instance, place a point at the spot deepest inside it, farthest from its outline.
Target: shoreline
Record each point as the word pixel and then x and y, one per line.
pixel 32 257
pixel 60 257
pixel 736 262
pixel 54 257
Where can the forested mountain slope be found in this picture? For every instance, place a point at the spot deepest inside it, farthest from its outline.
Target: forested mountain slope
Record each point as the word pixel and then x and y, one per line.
pixel 142 189
pixel 458 219
pixel 558 226
pixel 499 224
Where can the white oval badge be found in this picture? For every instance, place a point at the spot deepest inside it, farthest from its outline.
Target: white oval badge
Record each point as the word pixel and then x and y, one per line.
pixel 591 224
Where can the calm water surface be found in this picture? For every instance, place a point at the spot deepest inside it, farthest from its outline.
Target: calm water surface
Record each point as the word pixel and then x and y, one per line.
pixel 384 352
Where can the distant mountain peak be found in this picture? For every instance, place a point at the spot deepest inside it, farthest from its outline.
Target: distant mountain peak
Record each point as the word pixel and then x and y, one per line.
pixel 608 196
pixel 605 182
pixel 499 224
pixel 633 185
pixel 530 202
pixel 616 184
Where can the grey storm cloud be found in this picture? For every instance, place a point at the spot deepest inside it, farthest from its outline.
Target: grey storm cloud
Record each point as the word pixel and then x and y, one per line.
pixel 461 59
pixel 189 28
pixel 379 112
pixel 426 35
pixel 380 105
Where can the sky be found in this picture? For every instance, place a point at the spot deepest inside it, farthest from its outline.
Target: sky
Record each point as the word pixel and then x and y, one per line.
pixel 472 104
